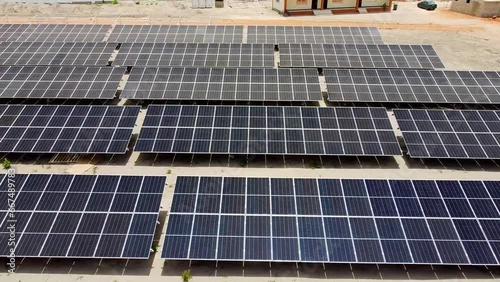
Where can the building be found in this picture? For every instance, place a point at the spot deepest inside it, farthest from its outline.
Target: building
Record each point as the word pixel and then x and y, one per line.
pixel 307 7
pixel 478 8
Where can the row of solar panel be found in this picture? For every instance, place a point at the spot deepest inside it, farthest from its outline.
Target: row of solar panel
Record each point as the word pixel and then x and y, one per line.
pixel 215 218
pixel 90 216
pixel 242 84
pixel 408 86
pixel 189 33
pixel 220 55
pixel 250 130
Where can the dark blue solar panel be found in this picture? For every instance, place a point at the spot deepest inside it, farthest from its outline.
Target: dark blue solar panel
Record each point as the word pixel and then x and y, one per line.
pixel 354 221
pixel 87 216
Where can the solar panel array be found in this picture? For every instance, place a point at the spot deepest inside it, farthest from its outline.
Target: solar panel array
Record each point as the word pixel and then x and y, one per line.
pixel 359 56
pixel 66 129
pixel 223 84
pixel 87 216
pixel 267 130
pixel 177 33
pixel 314 34
pixel 53 32
pixel 413 86
pixel 195 54
pixel 63 82
pixel 336 221
pixel 458 134
pixel 55 53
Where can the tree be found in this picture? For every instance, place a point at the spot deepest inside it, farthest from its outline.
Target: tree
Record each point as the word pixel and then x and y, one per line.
pixel 186 276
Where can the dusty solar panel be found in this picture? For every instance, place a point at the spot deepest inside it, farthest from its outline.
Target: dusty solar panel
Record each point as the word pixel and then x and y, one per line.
pixel 66 129
pixel 458 134
pixel 413 86
pixel 314 34
pixel 359 56
pixel 59 82
pixel 53 32
pixel 267 130
pixel 177 34
pixel 365 221
pixel 55 53
pixel 223 84
pixel 195 54
pixel 80 216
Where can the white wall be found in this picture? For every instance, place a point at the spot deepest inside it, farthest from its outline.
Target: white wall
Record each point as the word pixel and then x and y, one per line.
pixel 298 5
pixel 342 4
pixel 374 3
pixel 279 5
pixel 478 8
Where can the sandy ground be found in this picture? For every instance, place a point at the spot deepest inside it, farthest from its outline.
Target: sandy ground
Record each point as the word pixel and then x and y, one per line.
pixel 463 42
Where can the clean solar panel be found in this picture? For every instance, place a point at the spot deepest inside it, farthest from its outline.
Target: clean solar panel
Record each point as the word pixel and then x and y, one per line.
pixel 53 32
pixel 223 84
pixel 66 129
pixel 177 34
pixel 59 82
pixel 334 221
pixel 314 34
pixel 195 54
pixel 458 134
pixel 55 53
pixel 413 86
pixel 81 216
pixel 267 130
pixel 359 56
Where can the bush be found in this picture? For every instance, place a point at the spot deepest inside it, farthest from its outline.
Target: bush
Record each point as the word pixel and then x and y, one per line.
pixel 6 163
pixel 114 2
pixel 186 276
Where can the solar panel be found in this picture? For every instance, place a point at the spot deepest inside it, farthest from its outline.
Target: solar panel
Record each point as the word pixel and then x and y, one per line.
pixel 267 130
pixel 413 86
pixel 223 84
pixel 334 221
pixel 66 129
pixel 195 54
pixel 86 216
pixel 59 82
pixel 55 53
pixel 359 56
pixel 458 134
pixel 53 32
pixel 177 33
pixel 314 34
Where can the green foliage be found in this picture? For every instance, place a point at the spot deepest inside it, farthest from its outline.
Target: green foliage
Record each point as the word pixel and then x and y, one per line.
pixel 114 2
pixel 154 247
pixel 315 164
pixel 6 163
pixel 186 276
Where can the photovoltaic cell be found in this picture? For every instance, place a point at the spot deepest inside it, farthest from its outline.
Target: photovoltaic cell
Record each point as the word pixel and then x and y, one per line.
pixel 359 56
pixel 55 53
pixel 413 86
pixel 298 233
pixel 223 84
pixel 52 226
pixel 177 34
pixel 195 55
pixel 314 34
pixel 63 82
pixel 66 129
pixel 457 134
pixel 267 130
pixel 53 32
